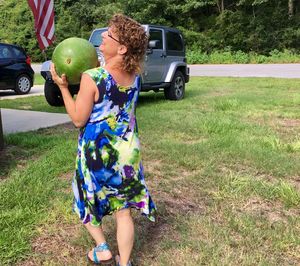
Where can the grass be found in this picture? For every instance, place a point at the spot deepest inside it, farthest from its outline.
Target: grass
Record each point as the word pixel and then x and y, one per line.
pixel 222 166
pixel 38 79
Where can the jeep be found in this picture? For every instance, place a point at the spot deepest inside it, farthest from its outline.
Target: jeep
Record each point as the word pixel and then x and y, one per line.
pixel 165 66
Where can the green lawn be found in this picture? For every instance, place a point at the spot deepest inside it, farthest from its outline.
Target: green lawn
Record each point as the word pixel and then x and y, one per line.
pixel 38 79
pixel 222 166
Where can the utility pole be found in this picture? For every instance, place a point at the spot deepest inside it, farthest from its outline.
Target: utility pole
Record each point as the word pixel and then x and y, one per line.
pixel 1 133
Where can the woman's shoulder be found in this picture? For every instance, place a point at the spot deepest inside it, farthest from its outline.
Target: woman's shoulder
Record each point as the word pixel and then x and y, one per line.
pixel 93 71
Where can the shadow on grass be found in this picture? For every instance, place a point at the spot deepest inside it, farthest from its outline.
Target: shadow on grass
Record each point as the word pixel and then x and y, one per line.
pixel 11 157
pixel 151 97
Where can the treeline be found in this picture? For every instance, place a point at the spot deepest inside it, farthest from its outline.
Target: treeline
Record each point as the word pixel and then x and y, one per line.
pixel 209 26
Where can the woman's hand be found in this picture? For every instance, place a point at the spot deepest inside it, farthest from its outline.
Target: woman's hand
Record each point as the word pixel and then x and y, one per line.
pixel 61 82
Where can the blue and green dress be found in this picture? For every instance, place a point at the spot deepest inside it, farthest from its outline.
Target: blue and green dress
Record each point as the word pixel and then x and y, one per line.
pixel 109 174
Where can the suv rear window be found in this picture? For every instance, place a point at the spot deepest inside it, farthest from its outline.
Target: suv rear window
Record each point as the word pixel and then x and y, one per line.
pixel 174 41
pixel 96 37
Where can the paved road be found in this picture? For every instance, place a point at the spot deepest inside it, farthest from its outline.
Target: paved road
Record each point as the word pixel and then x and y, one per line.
pixel 247 70
pixel 20 120
pixel 10 94
pixel 237 70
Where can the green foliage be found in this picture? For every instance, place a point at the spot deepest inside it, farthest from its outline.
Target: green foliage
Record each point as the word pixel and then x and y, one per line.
pixel 243 26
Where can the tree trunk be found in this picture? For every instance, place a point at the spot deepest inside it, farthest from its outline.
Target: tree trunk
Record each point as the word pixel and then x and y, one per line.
pixel 220 5
pixel 1 133
pixel 291 8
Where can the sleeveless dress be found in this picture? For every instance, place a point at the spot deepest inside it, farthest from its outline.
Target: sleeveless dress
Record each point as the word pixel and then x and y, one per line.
pixel 109 174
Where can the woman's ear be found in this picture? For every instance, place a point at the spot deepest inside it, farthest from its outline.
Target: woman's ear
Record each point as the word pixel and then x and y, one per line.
pixel 122 49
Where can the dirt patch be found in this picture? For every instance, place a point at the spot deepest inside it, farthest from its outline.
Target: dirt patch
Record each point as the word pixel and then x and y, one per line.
pixel 60 243
pixel 62 128
pixel 295 181
pixel 289 122
pixel 272 211
pixel 54 246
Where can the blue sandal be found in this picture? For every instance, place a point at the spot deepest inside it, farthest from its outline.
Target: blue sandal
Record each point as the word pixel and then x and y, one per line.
pixel 118 261
pixel 101 247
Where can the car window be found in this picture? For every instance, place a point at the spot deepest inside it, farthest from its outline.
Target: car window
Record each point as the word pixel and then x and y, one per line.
pixel 174 41
pixel 156 34
pixel 5 52
pixel 96 37
pixel 18 53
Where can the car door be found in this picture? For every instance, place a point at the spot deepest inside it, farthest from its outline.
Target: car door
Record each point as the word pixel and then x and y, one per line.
pixel 155 60
pixel 6 62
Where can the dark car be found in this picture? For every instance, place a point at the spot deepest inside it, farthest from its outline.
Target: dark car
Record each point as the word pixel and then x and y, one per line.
pixel 15 69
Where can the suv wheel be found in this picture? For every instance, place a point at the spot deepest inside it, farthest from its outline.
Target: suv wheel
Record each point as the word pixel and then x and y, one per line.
pixel 23 84
pixel 176 90
pixel 53 94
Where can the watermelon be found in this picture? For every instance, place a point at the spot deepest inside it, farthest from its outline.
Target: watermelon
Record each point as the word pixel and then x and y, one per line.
pixel 72 57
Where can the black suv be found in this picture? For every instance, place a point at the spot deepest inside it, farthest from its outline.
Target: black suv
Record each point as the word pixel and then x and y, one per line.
pixel 15 69
pixel 165 66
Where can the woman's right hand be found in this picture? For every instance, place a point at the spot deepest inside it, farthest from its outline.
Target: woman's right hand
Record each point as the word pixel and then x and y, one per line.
pixel 61 82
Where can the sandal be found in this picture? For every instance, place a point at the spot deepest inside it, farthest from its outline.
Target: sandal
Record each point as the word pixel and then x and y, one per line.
pixel 118 261
pixel 101 247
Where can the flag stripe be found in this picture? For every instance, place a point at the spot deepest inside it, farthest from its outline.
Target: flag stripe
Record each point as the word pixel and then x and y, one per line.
pixel 49 21
pixel 43 13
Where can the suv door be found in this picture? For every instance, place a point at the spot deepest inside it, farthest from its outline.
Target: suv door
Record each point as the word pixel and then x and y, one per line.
pixel 155 60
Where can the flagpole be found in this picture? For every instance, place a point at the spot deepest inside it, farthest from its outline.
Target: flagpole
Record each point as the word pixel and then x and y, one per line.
pixel 45 55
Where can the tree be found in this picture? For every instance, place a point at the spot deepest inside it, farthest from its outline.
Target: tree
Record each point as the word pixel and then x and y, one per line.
pixel 291 8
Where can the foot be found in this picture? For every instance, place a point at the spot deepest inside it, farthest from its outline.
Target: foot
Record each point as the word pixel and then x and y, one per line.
pixel 101 253
pixel 117 258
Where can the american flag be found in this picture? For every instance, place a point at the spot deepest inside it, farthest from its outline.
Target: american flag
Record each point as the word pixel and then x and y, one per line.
pixel 43 13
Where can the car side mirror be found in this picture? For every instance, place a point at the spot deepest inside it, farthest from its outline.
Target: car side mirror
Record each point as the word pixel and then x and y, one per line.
pixel 152 45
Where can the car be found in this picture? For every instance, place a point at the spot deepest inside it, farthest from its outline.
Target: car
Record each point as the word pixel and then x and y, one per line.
pixel 15 68
pixel 165 67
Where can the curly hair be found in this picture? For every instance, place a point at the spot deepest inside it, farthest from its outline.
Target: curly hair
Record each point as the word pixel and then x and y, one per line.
pixel 134 37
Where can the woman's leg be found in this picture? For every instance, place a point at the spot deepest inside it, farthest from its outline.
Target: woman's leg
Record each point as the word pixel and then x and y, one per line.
pixel 97 233
pixel 125 234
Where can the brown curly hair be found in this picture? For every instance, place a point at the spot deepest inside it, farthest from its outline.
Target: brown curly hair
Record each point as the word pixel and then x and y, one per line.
pixel 133 36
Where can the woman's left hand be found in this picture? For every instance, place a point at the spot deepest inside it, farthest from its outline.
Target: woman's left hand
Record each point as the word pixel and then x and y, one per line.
pixel 61 82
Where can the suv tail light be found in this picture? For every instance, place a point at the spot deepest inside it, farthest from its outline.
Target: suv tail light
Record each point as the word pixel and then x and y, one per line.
pixel 28 60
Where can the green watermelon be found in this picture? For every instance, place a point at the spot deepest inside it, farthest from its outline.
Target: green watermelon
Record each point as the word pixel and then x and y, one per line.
pixel 72 57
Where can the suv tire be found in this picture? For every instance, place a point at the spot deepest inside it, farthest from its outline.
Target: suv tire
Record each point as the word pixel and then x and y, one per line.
pixel 23 84
pixel 176 90
pixel 52 94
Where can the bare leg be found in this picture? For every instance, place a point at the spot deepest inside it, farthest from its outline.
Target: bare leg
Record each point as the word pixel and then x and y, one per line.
pixel 125 234
pixel 97 233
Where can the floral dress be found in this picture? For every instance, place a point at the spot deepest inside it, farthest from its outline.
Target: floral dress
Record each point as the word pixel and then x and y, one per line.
pixel 109 174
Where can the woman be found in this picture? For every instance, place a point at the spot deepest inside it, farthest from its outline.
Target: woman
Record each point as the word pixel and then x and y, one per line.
pixel 109 175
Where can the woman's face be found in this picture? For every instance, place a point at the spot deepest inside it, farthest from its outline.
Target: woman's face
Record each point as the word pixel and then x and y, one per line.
pixel 110 43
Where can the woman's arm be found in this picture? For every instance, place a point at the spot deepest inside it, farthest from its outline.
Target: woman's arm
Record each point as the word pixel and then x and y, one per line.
pixel 80 109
